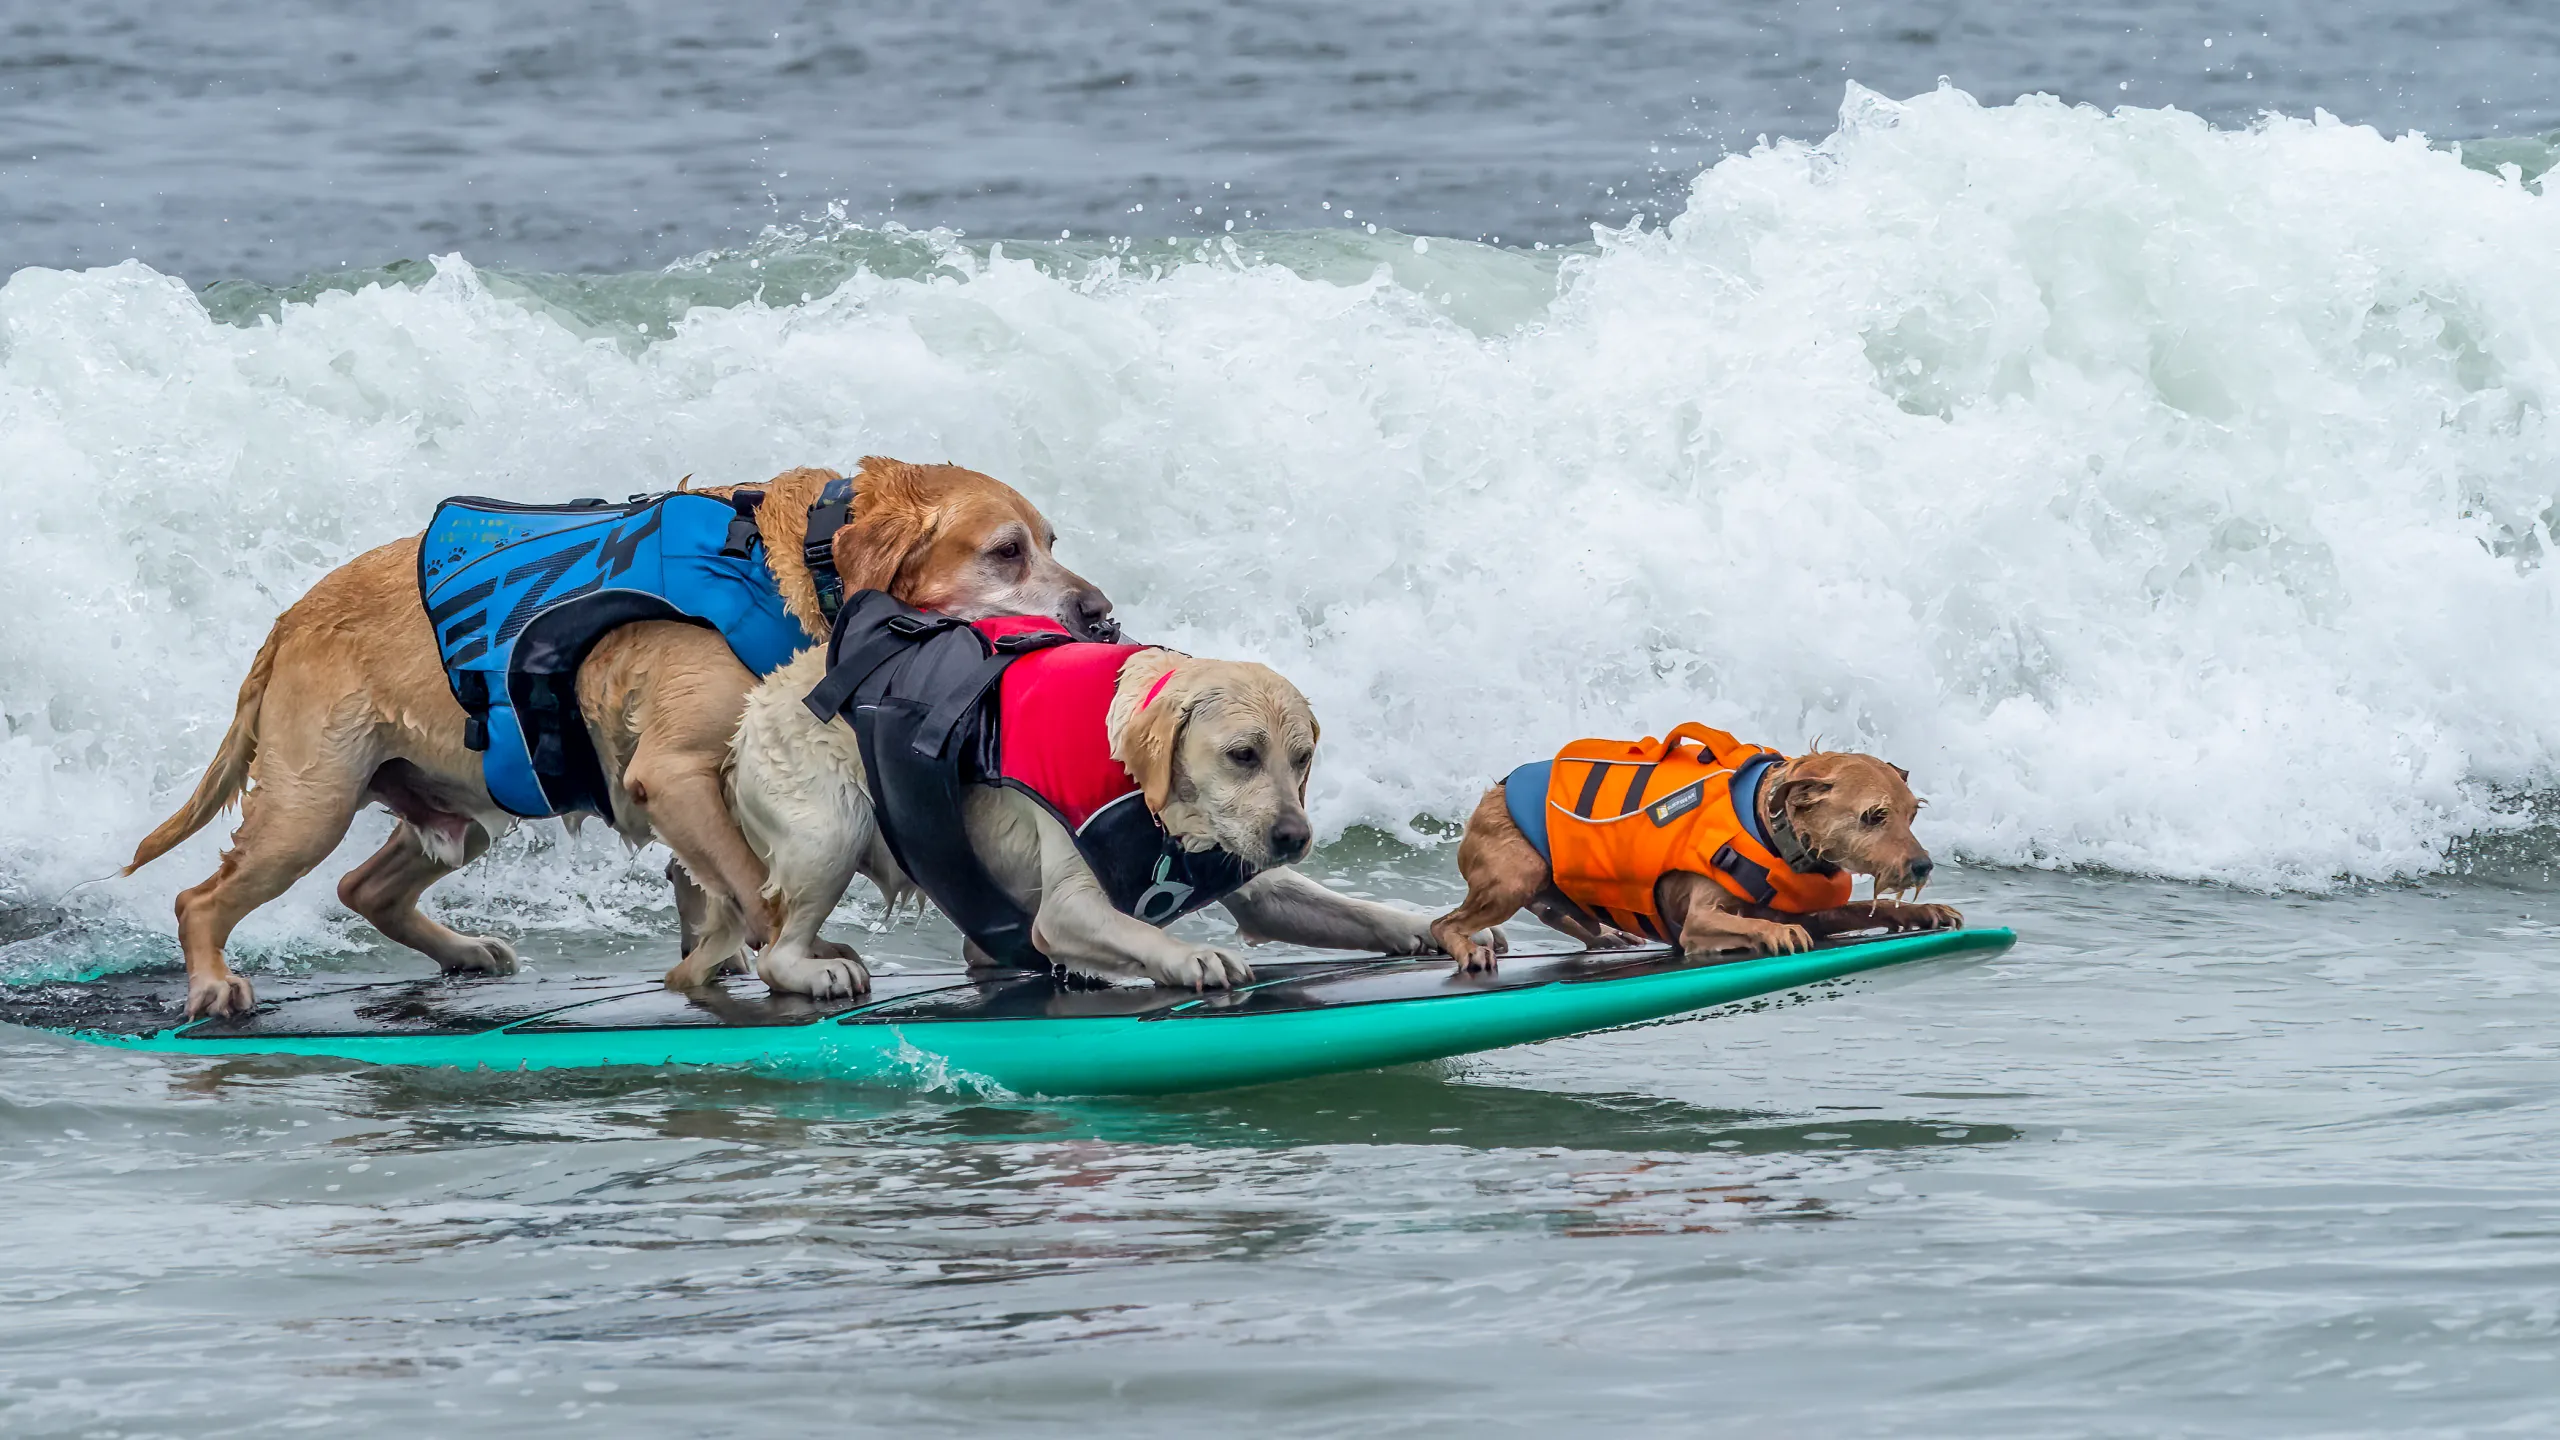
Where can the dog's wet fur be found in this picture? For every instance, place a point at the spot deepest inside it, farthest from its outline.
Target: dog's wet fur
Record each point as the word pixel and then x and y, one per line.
pixel 347 705
pixel 1852 811
pixel 1221 757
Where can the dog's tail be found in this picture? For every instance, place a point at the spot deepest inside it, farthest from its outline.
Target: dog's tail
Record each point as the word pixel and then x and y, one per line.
pixel 227 776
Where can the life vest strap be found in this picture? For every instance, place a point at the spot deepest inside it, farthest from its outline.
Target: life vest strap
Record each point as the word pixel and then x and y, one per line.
pixel 893 637
pixel 833 507
pixel 1746 872
pixel 818 545
pixel 743 535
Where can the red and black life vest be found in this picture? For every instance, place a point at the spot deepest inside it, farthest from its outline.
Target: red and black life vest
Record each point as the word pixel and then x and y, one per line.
pixel 938 705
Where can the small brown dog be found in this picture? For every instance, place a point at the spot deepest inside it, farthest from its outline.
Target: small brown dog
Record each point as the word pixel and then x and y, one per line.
pixel 347 704
pixel 1723 846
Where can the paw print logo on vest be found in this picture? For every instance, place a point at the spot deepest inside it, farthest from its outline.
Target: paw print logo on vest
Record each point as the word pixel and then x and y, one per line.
pixel 1164 899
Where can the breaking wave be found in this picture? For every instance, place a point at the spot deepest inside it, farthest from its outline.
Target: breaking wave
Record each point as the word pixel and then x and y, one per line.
pixel 2166 498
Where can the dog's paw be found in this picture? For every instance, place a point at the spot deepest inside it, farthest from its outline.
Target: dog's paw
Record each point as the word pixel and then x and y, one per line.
pixel 820 977
pixel 480 955
pixel 1474 958
pixel 218 997
pixel 1784 940
pixel 1938 917
pixel 1613 938
pixel 1199 967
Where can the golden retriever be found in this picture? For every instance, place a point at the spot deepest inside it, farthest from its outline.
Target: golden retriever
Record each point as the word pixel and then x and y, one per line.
pixel 347 704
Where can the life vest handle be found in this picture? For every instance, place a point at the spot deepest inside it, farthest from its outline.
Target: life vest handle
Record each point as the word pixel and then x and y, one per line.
pixel 1719 745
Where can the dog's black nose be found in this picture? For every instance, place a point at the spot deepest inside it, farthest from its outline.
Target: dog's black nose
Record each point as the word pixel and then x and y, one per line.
pixel 1920 870
pixel 1092 617
pixel 1290 836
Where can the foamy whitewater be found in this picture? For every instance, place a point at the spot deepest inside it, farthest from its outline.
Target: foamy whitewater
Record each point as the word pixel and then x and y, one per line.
pixel 2165 498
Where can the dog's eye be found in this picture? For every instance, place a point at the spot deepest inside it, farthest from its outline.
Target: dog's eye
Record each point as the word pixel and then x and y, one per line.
pixel 1302 760
pixel 1875 816
pixel 1244 757
pixel 1009 550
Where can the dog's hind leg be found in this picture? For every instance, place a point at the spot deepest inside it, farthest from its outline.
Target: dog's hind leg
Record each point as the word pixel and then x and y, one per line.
pixel 1551 906
pixel 718 946
pixel 385 890
pixel 693 906
pixel 809 881
pixel 1504 872
pixel 661 701
pixel 289 822
pixel 814 852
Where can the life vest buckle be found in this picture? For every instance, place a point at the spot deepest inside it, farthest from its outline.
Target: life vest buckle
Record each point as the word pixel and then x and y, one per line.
pixel 917 627
pixel 1023 642
pixel 1746 872
pixel 818 545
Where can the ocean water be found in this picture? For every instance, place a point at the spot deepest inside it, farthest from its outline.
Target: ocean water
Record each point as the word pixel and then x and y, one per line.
pixel 2161 474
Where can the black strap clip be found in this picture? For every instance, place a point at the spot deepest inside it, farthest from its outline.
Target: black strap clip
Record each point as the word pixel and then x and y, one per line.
pixel 917 627
pixel 1023 642
pixel 743 536
pixel 832 513
pixel 1750 874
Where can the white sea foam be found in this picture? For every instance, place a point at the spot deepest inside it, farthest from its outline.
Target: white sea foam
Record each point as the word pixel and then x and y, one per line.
pixel 2164 498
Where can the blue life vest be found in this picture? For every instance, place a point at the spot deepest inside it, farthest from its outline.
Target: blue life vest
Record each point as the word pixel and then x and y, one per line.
pixel 519 594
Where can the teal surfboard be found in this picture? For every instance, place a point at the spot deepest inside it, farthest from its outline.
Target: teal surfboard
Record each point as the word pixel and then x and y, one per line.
pixel 1021 1032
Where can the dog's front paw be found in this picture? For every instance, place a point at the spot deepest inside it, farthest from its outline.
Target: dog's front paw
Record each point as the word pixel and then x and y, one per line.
pixel 1938 917
pixel 1784 940
pixel 480 955
pixel 820 977
pixel 220 997
pixel 1199 967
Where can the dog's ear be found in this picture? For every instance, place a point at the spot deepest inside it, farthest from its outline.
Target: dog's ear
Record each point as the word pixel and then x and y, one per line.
pixel 1898 770
pixel 1147 744
pixel 892 520
pixel 1792 791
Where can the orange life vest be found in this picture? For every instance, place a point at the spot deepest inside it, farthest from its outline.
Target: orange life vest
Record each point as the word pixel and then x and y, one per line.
pixel 1620 813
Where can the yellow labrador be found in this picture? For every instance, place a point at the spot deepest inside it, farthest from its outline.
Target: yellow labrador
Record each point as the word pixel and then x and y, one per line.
pixel 1220 751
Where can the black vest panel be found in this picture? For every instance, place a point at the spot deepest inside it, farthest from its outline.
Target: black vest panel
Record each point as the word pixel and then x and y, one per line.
pixel 921 693
pixel 1145 871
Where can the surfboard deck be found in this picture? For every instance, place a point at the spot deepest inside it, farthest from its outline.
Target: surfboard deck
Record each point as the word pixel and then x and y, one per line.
pixel 1023 1032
